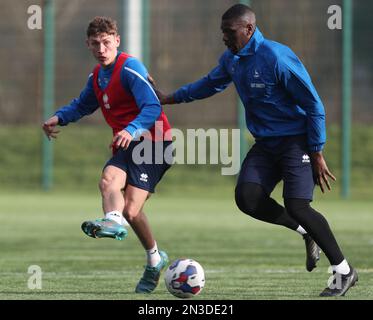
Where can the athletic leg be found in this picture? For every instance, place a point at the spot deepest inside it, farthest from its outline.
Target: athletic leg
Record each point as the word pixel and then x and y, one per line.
pixel 112 182
pixel 298 193
pixel 134 199
pixel 259 175
pixel 254 201
pixel 317 226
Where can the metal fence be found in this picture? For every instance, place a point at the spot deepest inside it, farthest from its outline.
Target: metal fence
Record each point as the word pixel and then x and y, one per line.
pixel 185 43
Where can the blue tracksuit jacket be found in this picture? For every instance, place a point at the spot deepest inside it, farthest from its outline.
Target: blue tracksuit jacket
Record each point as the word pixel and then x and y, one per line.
pixel 275 88
pixel 134 80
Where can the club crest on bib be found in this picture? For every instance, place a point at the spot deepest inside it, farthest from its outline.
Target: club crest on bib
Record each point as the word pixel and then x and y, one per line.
pixel 105 99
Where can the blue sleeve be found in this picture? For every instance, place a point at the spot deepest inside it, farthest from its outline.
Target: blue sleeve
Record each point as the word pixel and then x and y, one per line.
pixel 216 81
pixel 85 105
pixel 134 77
pixel 294 77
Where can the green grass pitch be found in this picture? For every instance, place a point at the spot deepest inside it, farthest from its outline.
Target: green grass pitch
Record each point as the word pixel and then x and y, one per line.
pixel 243 258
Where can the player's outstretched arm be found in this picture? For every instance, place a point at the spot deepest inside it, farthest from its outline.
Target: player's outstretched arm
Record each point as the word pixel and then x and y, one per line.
pixel 216 81
pixel 321 171
pixel 50 129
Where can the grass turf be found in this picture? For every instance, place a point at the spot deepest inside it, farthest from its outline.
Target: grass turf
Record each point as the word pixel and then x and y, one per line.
pixel 243 258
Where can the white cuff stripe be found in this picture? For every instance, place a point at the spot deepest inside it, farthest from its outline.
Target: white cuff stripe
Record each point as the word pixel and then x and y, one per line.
pixel 142 78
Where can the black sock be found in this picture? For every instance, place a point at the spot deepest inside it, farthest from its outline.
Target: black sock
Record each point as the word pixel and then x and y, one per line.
pixel 254 201
pixel 316 226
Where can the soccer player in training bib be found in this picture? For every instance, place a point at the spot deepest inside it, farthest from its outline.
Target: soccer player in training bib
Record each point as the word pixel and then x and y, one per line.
pixel 287 119
pixel 119 87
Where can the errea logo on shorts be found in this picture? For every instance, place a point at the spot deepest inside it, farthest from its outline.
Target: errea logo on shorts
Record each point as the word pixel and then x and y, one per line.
pixel 306 159
pixel 144 177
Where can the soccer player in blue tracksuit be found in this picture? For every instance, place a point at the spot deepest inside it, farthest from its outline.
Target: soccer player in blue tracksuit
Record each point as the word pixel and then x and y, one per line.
pixel 286 116
pixel 119 87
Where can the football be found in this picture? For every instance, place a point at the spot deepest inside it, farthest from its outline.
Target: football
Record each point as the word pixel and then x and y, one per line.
pixel 185 278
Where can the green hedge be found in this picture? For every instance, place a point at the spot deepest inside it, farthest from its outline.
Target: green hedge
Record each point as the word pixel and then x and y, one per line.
pixel 81 151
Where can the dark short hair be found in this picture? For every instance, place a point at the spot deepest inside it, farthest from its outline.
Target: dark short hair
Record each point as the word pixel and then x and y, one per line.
pixel 102 25
pixel 236 11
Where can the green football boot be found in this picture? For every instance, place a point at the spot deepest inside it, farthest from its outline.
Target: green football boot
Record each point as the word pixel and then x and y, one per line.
pixel 150 278
pixel 104 228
